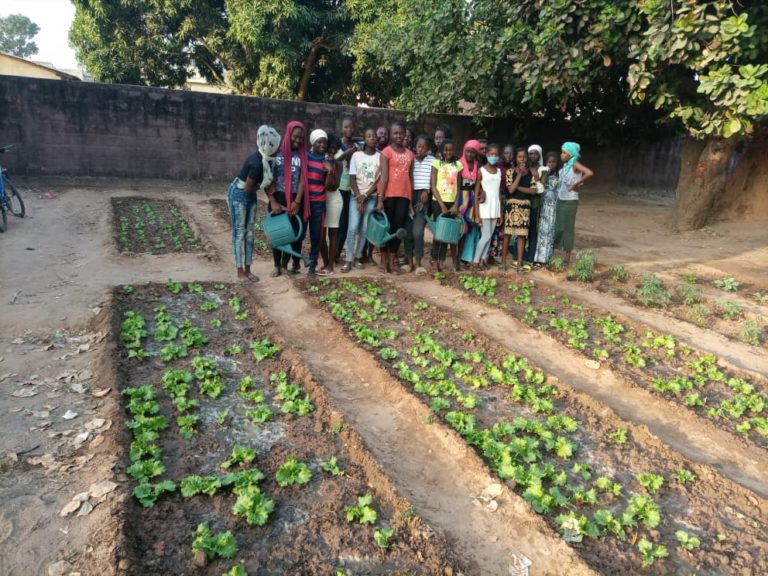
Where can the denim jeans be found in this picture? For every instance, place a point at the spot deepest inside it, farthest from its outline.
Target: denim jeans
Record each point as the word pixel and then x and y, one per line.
pixel 414 242
pixel 357 225
pixel 315 225
pixel 242 213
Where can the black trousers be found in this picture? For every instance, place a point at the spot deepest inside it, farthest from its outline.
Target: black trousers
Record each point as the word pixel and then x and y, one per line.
pixel 279 257
pixel 396 209
pixel 346 196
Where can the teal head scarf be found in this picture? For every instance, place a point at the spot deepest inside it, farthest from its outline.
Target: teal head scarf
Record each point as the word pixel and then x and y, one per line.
pixel 574 151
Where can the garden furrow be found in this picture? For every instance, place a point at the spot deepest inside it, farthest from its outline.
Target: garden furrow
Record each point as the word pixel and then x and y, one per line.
pixel 623 499
pixel 428 464
pixel 736 353
pixel 237 458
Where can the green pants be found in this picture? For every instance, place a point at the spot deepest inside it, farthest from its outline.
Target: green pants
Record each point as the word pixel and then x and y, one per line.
pixel 565 224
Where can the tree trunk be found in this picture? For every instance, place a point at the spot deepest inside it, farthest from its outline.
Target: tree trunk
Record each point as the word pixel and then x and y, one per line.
pixel 309 67
pixel 702 181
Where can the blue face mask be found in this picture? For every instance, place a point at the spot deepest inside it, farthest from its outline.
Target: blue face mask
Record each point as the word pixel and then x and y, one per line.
pixel 492 160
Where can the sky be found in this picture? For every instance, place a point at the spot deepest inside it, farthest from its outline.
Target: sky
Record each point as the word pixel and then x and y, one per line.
pixel 54 18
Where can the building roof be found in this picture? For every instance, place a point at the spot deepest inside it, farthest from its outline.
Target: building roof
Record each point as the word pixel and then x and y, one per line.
pixel 42 67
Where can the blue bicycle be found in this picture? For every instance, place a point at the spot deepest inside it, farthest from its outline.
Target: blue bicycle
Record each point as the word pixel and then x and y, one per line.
pixel 10 199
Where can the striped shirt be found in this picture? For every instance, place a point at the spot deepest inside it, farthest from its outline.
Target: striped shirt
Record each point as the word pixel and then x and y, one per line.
pixel 422 172
pixel 316 174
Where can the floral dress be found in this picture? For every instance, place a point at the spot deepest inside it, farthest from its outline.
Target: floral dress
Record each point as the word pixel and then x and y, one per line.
pixel 546 242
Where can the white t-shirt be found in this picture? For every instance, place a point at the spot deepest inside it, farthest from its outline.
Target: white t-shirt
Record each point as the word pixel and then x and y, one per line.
pixel 422 172
pixel 365 169
pixel 491 185
pixel 567 181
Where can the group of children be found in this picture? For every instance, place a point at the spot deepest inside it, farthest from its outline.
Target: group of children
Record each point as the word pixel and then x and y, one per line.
pixel 507 199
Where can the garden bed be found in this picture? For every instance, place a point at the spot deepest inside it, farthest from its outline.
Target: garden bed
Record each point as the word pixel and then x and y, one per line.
pixel 236 439
pixel 624 500
pixel 732 400
pixel 152 226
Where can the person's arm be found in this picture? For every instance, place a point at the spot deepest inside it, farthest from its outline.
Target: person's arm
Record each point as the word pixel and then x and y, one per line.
pixel 585 172
pixel 479 195
pixel 299 197
pixel 455 208
pixel 274 205
pixel 410 196
pixel 250 185
pixel 333 177
pixel 384 167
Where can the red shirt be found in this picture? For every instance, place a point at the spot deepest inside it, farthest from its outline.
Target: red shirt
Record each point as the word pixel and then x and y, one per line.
pixel 399 181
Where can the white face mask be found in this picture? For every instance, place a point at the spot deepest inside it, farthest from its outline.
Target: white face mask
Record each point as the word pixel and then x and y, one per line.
pixel 492 160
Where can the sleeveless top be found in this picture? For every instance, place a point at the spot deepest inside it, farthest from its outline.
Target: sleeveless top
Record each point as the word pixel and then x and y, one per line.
pixel 491 184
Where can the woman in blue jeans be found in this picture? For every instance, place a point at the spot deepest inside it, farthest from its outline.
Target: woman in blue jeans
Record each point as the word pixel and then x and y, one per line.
pixel 364 177
pixel 256 174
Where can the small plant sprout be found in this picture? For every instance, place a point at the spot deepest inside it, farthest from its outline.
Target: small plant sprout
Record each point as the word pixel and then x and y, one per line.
pixel 687 542
pixel 727 284
pixel 556 264
pixel 618 273
pixel 689 294
pixel 128 289
pixel 220 545
pixel 264 349
pixel 383 537
pixel 236 571
pixel 292 472
pixel 240 455
pixel 730 310
pixel 619 436
pixel 650 553
pixel 174 287
pixel 652 292
pixel 221 416
pixel 651 482
pixel 362 512
pixel 751 333
pixel 583 269
pixel 331 466
pixel 408 514
pixel 684 476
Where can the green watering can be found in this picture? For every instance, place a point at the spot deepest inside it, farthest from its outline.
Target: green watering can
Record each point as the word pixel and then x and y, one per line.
pixel 281 233
pixel 446 229
pixel 377 230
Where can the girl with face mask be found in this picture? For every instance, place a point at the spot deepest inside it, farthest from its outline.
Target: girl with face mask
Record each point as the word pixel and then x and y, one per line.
pixel 488 213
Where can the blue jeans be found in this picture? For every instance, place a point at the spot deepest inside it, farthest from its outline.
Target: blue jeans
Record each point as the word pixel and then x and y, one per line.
pixel 357 225
pixel 315 225
pixel 242 213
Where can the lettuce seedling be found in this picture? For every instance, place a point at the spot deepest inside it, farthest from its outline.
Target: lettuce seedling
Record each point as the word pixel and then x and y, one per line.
pixel 383 537
pixel 649 554
pixel 220 545
pixel 292 472
pixel 240 455
pixel 331 466
pixel 264 349
pixel 363 512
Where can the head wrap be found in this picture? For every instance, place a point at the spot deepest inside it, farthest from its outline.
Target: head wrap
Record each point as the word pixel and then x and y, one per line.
pixel 574 151
pixel 287 153
pixel 317 135
pixel 268 143
pixel 538 149
pixel 465 171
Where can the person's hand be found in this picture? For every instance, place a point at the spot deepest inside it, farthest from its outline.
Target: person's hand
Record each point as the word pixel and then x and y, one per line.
pixel 424 198
pixel 498 221
pixel 379 206
pixel 454 210
pixel 478 219
pixel 275 206
pixel 522 170
pixel 482 198
pixel 294 209
pixel 361 198
pixel 444 209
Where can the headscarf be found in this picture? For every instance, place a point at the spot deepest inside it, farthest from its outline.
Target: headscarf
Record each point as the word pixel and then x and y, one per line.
pixel 285 150
pixel 537 148
pixel 317 135
pixel 574 150
pixel 465 171
pixel 268 143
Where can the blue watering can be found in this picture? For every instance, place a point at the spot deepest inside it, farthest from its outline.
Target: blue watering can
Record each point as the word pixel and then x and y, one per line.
pixel 446 229
pixel 377 230
pixel 281 233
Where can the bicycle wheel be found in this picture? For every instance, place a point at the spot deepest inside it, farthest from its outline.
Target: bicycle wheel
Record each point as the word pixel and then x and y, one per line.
pixel 3 218
pixel 16 204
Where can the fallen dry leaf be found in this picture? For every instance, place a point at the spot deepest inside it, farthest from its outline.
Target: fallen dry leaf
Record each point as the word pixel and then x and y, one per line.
pixel 102 488
pixel 95 424
pixel 96 442
pixel 70 507
pixel 101 392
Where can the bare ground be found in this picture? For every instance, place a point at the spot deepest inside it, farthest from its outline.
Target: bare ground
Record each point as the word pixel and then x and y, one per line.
pixel 58 266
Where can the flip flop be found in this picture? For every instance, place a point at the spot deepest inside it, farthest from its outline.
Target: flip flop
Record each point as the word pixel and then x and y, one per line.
pixel 421 271
pixel 324 272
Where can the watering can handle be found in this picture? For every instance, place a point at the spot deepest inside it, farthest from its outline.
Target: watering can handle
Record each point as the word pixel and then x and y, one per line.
pixel 301 224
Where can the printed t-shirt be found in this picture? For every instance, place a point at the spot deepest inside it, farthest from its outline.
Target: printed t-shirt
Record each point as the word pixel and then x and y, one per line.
pixel 399 181
pixel 365 169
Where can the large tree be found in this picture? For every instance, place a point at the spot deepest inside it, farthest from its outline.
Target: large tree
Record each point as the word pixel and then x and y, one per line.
pixel 292 49
pixel 610 67
pixel 16 33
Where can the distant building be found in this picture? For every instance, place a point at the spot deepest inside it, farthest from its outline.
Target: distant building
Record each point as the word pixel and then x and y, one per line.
pixel 15 66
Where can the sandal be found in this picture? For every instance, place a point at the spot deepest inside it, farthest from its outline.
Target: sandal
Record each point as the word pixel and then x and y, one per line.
pixel 324 272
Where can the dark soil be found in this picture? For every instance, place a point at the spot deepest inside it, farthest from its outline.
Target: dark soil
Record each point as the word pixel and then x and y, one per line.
pixel 542 305
pixel 152 226
pixel 729 520
pixel 261 248
pixel 307 533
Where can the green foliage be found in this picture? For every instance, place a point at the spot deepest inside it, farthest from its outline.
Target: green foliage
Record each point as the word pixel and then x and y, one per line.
pixel 236 571
pixel 650 553
pixel 684 476
pixel 362 512
pixel 293 472
pixel 652 292
pixel 240 455
pixel 264 349
pixel 194 485
pixel 583 268
pixel 699 314
pixel 619 435
pixel 751 333
pixel 651 482
pixel 147 494
pixel 556 264
pixel 383 537
pixel 730 310
pixel 689 294
pixel 219 545
pixel 687 542
pixel 480 285
pixel 331 466
pixel 727 284
pixel 618 273
pixel 16 34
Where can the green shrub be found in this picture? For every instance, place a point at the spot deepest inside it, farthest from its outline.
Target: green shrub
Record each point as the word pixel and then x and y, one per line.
pixel 730 310
pixel 652 292
pixel 689 294
pixel 751 333
pixel 699 314
pixel 618 273
pixel 583 269
pixel 556 264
